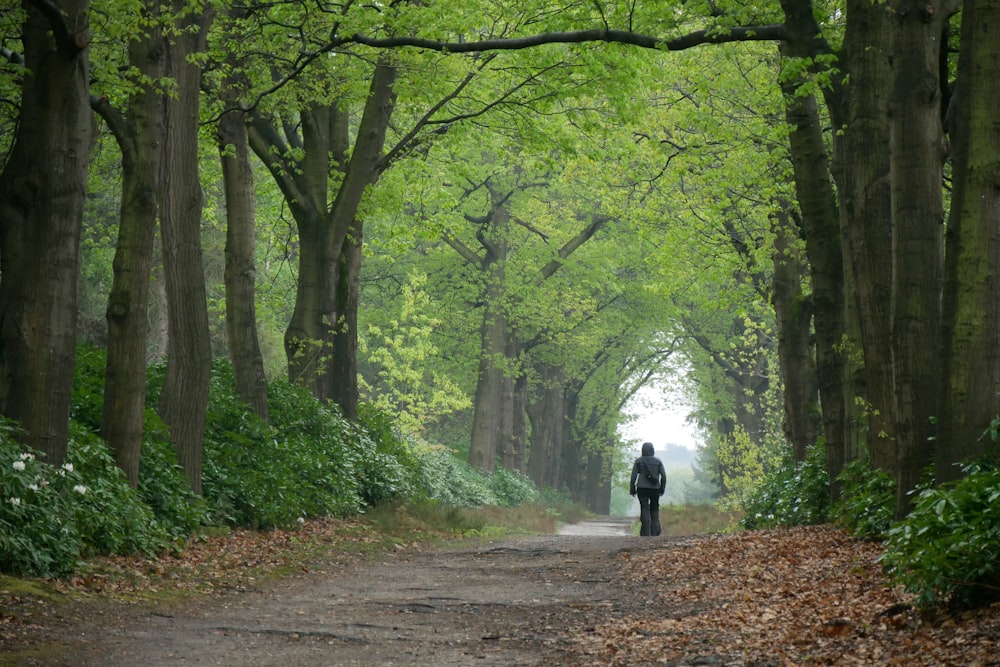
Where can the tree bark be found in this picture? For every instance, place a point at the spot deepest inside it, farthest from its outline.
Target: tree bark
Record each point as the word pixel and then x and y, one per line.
pixel 971 307
pixel 184 397
pixel 547 414
pixel 821 229
pixel 793 312
pixel 139 137
pixel 861 168
pixel 241 270
pixel 487 417
pixel 916 155
pixel 42 190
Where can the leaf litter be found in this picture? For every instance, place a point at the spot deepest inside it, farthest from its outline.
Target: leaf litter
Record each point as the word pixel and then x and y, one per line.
pixel 784 597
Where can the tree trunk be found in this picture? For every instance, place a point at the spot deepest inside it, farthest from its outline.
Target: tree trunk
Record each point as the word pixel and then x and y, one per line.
pixel 488 399
pixel 972 271
pixel 184 397
pixel 916 154
pixel 345 342
pixel 794 315
pixel 861 155
pixel 547 416
pixel 512 408
pixel 139 138
pixel 321 338
pixel 821 229
pixel 42 190
pixel 597 492
pixel 241 270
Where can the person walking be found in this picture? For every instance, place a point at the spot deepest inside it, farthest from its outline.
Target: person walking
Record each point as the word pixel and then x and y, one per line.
pixel 649 482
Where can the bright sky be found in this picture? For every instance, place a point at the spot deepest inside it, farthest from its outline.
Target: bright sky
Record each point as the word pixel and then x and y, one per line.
pixel 660 416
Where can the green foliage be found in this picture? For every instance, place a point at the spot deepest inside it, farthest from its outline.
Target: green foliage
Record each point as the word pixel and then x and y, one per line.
pixel 867 500
pixel 261 476
pixel 388 468
pixel 51 516
pixel 453 481
pixel 162 485
pixel 110 516
pixel 511 488
pixel 38 536
pixel 400 352
pixel 793 494
pixel 946 549
pixel 743 465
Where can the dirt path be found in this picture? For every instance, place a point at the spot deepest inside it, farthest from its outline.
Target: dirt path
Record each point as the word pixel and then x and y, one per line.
pixel 508 602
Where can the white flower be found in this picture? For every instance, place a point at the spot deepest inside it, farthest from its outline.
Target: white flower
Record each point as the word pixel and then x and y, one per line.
pixel 33 487
pixel 68 467
pixel 15 501
pixel 80 488
pixel 27 456
pixel 18 465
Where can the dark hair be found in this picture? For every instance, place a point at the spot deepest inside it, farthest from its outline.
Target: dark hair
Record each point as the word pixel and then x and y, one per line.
pixel 647 449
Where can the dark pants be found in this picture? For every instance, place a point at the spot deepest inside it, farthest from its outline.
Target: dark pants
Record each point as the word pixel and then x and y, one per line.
pixel 649 511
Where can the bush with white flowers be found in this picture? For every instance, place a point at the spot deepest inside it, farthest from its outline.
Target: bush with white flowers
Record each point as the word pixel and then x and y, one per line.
pixel 38 534
pixel 52 516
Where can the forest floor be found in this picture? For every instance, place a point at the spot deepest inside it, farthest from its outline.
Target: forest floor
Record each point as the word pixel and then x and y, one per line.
pixel 593 595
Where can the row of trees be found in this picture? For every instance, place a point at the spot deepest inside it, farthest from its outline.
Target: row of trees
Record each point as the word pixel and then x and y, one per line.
pixel 902 305
pixel 598 219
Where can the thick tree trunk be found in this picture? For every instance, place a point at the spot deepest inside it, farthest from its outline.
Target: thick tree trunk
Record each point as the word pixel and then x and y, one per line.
pixel 309 336
pixel 512 430
pixel 487 416
pixel 972 272
pixel 241 270
pixel 42 190
pixel 139 138
pixel 821 229
pixel 184 397
pixel 597 491
pixel 321 338
pixel 793 311
pixel 861 156
pixel 916 156
pixel 546 413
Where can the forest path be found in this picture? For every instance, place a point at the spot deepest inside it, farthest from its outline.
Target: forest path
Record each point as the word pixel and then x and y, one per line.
pixel 505 602
pixel 594 595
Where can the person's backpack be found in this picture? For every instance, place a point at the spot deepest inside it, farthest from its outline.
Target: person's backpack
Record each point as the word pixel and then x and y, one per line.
pixel 651 474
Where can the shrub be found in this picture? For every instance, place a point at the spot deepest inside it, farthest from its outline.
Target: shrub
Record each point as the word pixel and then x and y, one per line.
pixel 50 516
pixel 260 475
pixel 452 481
pixel 867 500
pixel 387 468
pixel 794 494
pixel 110 516
pixel 38 536
pixel 946 549
pixel 162 485
pixel 511 488
pixel 165 489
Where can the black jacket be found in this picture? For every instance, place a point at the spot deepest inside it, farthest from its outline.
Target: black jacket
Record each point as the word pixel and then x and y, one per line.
pixel 639 479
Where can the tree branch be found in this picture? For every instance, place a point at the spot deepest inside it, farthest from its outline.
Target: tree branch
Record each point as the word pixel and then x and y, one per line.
pixel 70 44
pixel 761 33
pixel 573 244
pixel 467 253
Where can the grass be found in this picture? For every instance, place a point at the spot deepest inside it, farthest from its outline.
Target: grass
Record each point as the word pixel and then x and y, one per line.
pixel 687 520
